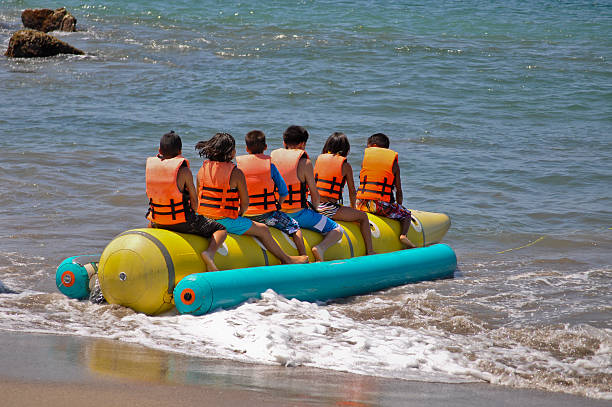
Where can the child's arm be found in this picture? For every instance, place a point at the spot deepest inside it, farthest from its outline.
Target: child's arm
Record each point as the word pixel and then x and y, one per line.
pixel 184 181
pixel 281 186
pixel 347 173
pixel 306 174
pixel 399 195
pixel 237 180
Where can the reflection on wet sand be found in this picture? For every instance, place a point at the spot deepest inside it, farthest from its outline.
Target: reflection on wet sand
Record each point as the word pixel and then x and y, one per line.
pixel 132 362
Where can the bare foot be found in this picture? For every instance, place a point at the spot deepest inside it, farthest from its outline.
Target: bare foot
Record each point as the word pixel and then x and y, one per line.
pixel 316 252
pixel 406 242
pixel 371 252
pixel 298 259
pixel 210 264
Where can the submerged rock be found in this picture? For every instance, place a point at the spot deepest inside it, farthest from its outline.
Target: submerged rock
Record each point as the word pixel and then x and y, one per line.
pixel 34 44
pixel 46 20
pixel 5 290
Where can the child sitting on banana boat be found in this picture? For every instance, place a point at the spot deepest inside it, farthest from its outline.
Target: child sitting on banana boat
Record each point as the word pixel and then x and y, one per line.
pixel 332 171
pixel 296 169
pixel 264 183
pixel 173 200
pixel 378 178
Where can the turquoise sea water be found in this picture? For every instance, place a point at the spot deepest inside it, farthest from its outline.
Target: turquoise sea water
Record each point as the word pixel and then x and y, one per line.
pixel 501 113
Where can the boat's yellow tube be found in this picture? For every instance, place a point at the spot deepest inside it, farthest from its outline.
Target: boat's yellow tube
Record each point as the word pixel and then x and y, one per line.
pixel 140 268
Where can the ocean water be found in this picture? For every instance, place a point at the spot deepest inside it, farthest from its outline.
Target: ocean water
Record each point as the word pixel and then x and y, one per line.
pixel 501 113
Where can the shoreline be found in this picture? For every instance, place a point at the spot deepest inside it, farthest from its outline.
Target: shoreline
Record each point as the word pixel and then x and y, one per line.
pixel 55 370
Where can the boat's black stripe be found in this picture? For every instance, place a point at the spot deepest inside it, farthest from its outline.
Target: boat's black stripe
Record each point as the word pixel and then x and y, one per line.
pixel 348 239
pixel 265 254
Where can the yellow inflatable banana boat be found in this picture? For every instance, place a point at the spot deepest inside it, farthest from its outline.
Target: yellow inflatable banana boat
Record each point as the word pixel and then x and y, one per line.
pixel 140 268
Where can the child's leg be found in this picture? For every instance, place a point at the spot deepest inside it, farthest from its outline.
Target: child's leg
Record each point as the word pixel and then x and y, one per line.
pixel 393 210
pixel 216 234
pixel 262 232
pixel 214 242
pixel 330 239
pixel 288 225
pixel 298 239
pixel 309 219
pixel 405 225
pixel 403 215
pixel 348 214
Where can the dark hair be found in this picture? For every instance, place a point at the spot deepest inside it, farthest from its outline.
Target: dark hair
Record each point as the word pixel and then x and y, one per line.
pixel 256 141
pixel 219 148
pixel 337 143
pixel 295 135
pixel 170 145
pixel 380 139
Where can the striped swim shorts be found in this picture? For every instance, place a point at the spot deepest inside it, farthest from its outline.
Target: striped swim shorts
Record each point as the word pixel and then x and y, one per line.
pixel 328 209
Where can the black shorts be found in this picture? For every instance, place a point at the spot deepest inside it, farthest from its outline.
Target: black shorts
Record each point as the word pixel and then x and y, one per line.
pixel 196 224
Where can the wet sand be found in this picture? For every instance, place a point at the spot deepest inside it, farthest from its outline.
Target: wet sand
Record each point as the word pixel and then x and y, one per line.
pixel 52 370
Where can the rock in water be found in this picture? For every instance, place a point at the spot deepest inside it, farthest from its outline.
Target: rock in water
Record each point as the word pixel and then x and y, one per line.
pixel 4 290
pixel 46 20
pixel 34 44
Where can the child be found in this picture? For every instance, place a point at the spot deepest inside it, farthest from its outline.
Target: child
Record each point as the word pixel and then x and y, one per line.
pixel 224 197
pixel 173 199
pixel 263 180
pixel 296 169
pixel 379 176
pixel 332 171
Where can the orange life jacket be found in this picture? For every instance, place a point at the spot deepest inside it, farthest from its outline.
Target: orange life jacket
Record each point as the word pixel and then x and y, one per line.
pixel 167 204
pixel 261 186
pixel 286 161
pixel 328 175
pixel 376 179
pixel 216 199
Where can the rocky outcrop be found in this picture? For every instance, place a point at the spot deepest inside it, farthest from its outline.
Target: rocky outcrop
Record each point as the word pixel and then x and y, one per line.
pixel 33 44
pixel 46 20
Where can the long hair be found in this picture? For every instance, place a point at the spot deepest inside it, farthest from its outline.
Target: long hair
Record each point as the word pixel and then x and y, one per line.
pixel 219 148
pixel 337 143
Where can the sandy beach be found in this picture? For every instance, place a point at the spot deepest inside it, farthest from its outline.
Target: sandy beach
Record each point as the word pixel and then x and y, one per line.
pixel 64 370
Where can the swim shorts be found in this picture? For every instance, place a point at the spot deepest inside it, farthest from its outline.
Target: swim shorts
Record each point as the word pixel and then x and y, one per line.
pixel 328 209
pixel 236 226
pixel 391 210
pixel 279 220
pixel 196 224
pixel 309 219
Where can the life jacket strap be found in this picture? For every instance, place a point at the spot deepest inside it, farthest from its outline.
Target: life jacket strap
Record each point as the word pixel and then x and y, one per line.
pixel 269 199
pixel 154 209
pixel 332 186
pixel 207 205
pixel 301 192
pixel 383 191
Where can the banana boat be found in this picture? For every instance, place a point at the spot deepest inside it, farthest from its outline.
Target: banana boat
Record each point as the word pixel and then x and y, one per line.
pixel 143 268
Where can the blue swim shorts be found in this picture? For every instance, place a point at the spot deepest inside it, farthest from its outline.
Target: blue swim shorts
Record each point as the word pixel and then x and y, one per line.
pixel 236 226
pixel 279 220
pixel 309 219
